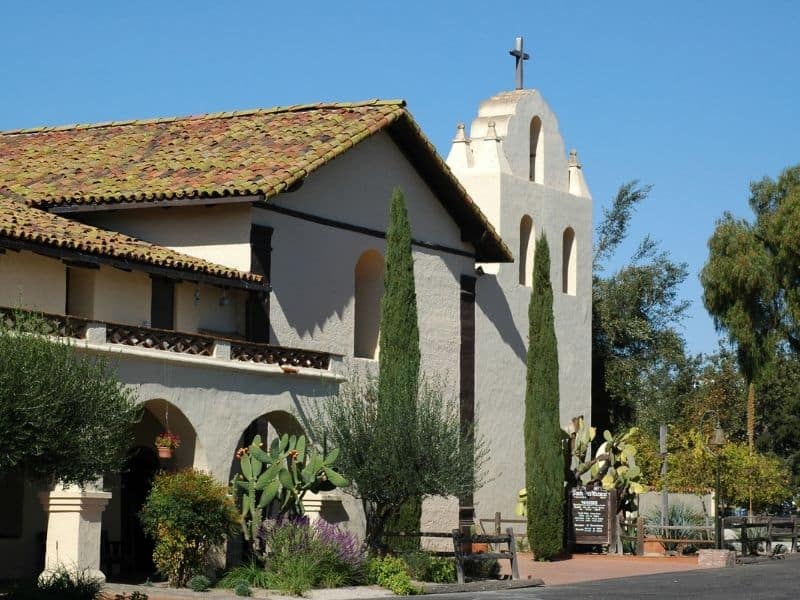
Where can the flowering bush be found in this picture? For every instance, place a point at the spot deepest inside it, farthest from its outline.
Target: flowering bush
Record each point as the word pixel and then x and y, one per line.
pixel 187 514
pixel 168 440
pixel 300 555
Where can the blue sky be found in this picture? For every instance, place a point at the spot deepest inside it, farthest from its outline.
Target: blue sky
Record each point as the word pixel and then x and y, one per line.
pixel 697 98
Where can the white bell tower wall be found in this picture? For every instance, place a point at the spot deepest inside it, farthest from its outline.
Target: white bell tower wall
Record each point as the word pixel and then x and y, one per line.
pixel 514 165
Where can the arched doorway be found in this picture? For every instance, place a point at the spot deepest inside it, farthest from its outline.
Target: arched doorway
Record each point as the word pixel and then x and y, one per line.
pixel 135 483
pixel 127 553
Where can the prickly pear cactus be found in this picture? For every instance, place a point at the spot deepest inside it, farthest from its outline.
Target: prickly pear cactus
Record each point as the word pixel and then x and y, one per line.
pixel 273 482
pixel 613 466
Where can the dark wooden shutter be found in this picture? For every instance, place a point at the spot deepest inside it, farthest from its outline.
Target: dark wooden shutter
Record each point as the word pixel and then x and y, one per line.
pixel 467 375
pixel 162 303
pixel 257 309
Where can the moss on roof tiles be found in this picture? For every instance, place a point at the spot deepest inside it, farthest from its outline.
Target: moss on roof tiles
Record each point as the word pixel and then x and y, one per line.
pixel 224 154
pixel 240 153
pixel 22 223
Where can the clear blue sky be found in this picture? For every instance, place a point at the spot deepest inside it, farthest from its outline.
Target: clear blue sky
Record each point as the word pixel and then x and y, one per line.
pixel 698 98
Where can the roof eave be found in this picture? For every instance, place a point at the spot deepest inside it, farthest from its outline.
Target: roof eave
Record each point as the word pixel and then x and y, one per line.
pixel 475 228
pixel 78 256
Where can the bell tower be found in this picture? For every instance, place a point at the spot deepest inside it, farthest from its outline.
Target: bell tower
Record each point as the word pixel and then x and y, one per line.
pixel 513 163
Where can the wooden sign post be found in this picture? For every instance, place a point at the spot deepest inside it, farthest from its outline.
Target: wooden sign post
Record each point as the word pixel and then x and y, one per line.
pixel 591 514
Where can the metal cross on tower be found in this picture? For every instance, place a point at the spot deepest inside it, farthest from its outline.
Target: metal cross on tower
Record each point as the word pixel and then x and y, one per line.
pixel 520 56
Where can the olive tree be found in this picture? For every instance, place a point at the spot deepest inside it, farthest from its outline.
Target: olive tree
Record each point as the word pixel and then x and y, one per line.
pixel 63 415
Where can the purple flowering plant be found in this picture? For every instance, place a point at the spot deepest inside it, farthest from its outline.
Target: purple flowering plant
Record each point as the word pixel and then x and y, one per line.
pixel 347 546
pixel 334 556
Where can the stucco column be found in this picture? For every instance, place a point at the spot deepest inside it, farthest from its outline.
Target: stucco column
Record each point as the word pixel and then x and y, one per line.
pixel 326 506
pixel 73 528
pixel 312 503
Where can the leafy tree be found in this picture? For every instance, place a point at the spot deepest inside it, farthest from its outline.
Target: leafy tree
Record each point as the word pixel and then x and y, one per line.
pixel 751 282
pixel 391 458
pixel 779 422
pixel 544 456
pixel 63 416
pixel 718 386
pixel 640 372
pixel 400 437
pixel 691 469
pixel 398 376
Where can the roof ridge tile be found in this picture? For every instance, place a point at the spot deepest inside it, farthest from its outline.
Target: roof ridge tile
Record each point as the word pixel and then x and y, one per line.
pixel 400 103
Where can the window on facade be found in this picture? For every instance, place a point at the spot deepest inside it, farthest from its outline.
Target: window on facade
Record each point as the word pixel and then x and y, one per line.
pixel 527 243
pixel 368 293
pixel 569 261
pixel 536 151
pixel 162 303
pixel 257 305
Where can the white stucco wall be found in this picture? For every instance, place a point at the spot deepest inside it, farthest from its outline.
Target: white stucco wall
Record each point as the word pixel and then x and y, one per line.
pixel 316 309
pixel 220 234
pixel 502 185
pixel 198 309
pixel 32 281
pixel 121 296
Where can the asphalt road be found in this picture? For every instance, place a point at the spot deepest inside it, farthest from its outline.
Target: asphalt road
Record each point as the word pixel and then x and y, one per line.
pixel 771 580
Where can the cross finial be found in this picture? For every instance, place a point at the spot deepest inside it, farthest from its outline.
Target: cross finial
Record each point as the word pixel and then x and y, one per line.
pixel 520 56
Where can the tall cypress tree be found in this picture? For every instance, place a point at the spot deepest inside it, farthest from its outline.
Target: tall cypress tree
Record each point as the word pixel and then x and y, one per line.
pixel 544 460
pixel 399 332
pixel 399 356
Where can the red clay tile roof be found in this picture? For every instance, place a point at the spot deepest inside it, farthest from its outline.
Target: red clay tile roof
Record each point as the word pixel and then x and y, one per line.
pixel 221 154
pixel 21 223
pixel 246 153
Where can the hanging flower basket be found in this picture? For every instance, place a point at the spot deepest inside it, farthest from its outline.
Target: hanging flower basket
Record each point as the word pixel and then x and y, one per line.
pixel 167 442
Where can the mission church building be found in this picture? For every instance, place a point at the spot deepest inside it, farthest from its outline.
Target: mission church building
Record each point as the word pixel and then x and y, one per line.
pixel 230 267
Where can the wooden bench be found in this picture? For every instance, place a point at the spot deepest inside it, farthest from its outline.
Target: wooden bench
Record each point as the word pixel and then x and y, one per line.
pixel 462 540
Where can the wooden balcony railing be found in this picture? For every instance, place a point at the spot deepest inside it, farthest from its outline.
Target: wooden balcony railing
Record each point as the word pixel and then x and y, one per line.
pixel 165 340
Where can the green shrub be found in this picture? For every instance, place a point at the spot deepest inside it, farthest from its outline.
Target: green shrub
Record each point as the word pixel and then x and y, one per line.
pixel 418 564
pixel 441 570
pixel 252 573
pixel 392 573
pixel 59 585
pixel 242 588
pixel 199 583
pixel 139 596
pixel 425 567
pixel 481 569
pixel 293 573
pixel 187 514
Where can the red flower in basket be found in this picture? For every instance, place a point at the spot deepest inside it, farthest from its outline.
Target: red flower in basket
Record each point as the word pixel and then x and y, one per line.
pixel 167 442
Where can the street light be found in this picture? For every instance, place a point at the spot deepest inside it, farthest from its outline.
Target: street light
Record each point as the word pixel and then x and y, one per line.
pixel 715 445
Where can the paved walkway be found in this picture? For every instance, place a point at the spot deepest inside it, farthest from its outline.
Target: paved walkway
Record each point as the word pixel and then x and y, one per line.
pixel 770 580
pixel 592 567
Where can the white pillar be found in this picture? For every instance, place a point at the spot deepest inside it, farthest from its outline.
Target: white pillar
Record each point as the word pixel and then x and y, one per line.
pixel 325 503
pixel 73 528
pixel 312 503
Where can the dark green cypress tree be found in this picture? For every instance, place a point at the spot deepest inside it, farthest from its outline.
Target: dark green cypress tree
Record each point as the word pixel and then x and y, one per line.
pixel 399 332
pixel 399 356
pixel 544 460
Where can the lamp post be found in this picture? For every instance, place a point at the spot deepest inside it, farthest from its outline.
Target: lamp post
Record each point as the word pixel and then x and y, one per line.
pixel 715 446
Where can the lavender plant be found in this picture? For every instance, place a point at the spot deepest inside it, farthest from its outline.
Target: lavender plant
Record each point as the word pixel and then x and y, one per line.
pixel 331 557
